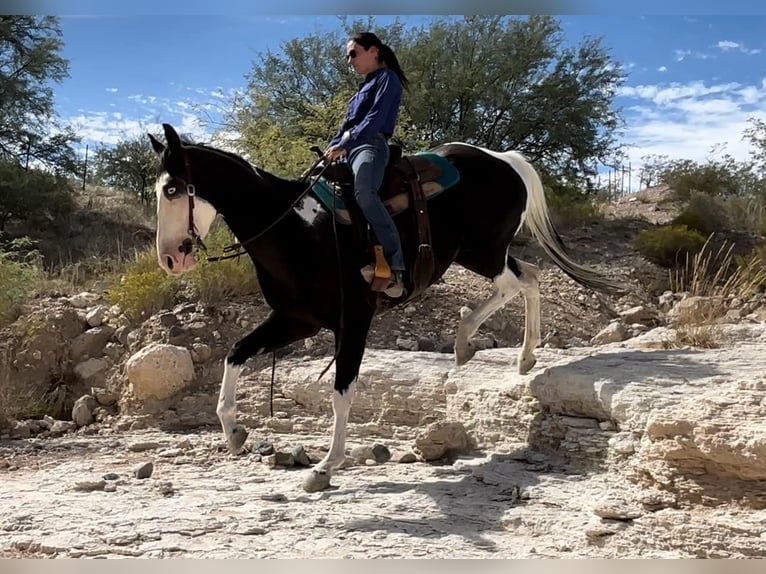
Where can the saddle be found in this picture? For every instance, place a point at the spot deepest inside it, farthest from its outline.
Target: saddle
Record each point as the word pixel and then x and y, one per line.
pixel 408 181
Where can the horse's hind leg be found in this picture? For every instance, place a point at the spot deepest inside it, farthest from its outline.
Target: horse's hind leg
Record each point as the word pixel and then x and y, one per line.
pixel 275 332
pixel 516 276
pixel 530 288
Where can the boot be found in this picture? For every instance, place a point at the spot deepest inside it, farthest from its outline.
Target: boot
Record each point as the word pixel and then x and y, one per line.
pixel 395 288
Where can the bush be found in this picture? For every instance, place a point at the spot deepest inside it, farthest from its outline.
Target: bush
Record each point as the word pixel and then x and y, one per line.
pixel 723 177
pixel 703 213
pixel 17 280
pixel 212 282
pixel 669 246
pixel 34 196
pixel 144 288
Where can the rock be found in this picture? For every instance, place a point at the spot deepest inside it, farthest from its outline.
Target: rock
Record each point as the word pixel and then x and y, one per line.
pixel 103 397
pixel 403 456
pixel 299 456
pixel 442 439
pixel 82 411
pixel 264 448
pixel 83 300
pixel 159 371
pixel 361 454
pixel 95 316
pixel 144 471
pixel 380 453
pixel 89 485
pixel 91 343
pixel 617 510
pixel 91 370
pixel 406 344
pixel 612 333
pixel 121 335
pixel 201 352
pixel 638 314
pixel 168 319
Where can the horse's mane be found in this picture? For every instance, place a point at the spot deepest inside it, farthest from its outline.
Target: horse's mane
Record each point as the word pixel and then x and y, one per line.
pixel 232 155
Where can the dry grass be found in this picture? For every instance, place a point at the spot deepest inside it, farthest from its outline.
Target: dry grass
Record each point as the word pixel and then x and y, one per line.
pixel 716 277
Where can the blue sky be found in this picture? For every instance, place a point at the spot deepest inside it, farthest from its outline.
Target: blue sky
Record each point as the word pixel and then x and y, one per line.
pixel 693 81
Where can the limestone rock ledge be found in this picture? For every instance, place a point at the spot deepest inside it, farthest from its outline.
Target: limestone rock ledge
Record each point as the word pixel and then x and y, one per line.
pixel 680 418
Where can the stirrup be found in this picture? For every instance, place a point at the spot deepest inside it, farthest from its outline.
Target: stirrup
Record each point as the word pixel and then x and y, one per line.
pixel 395 288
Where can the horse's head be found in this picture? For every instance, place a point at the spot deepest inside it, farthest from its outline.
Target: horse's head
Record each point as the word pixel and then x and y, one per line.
pixel 183 217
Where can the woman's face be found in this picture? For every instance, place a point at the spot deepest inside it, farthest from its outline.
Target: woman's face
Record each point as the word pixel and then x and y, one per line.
pixel 362 60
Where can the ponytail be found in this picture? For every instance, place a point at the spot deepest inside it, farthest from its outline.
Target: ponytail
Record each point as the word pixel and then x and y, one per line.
pixel 385 53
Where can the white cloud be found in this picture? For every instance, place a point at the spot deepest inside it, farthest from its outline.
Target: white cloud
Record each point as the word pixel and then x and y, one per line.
pixel 112 90
pixel 681 55
pixel 686 121
pixel 662 69
pixel 729 45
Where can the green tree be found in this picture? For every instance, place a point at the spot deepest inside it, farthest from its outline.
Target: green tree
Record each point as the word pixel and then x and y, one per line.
pixel 129 165
pixel 29 66
pixel 494 81
pixel 756 135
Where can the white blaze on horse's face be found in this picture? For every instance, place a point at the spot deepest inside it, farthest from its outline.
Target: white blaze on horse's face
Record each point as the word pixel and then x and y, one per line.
pixel 175 246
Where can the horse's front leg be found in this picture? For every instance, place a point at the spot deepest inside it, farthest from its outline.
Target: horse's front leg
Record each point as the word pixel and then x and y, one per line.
pixel 276 331
pixel 350 351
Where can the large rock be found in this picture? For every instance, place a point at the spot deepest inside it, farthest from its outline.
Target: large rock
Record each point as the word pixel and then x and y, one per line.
pixel 159 371
pixel 692 421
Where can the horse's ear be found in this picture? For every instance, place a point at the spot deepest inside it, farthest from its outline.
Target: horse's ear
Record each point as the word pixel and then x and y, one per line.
pixel 174 142
pixel 156 144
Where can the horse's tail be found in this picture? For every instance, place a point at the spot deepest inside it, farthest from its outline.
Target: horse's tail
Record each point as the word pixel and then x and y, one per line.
pixel 540 225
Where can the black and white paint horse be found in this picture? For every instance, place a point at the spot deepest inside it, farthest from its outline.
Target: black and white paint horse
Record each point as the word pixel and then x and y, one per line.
pixel 472 224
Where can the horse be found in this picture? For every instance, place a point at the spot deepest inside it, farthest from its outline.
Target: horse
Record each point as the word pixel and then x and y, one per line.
pixel 308 266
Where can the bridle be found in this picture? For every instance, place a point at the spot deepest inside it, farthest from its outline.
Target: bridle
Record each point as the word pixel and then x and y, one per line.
pixel 194 240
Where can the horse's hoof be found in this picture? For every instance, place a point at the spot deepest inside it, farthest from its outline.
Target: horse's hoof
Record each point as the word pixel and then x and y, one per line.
pixel 463 354
pixel 525 365
pixel 237 439
pixel 316 480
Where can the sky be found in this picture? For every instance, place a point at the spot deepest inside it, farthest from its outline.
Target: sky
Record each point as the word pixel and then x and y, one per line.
pixel 692 81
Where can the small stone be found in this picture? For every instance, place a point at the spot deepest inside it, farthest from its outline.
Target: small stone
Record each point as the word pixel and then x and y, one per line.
pixel 404 457
pixel 264 448
pixel 617 510
pixel 89 485
pixel 111 476
pixel 274 497
pixel 299 456
pixel 144 471
pixel 381 454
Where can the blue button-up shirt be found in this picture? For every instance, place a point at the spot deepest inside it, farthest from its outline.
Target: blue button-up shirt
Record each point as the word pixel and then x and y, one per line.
pixel 373 109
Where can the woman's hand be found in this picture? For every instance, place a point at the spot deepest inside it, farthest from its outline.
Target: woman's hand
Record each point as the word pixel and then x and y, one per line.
pixel 334 153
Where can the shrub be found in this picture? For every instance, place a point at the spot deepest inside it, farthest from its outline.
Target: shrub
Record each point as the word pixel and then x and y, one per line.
pixel 212 282
pixel 703 213
pixel 17 280
pixel 144 288
pixel 670 245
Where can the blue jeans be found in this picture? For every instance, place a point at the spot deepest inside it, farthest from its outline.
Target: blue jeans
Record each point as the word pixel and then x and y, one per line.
pixel 368 162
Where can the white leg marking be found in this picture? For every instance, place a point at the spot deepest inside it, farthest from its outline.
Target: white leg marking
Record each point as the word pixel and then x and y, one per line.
pixel 319 477
pixel 531 290
pixel 227 408
pixel 507 286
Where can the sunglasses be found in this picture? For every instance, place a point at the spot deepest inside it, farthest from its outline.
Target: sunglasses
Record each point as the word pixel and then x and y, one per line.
pixel 351 55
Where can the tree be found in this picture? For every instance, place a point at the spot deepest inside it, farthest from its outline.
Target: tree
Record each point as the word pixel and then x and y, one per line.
pixel 756 135
pixel 29 64
pixel 130 165
pixel 494 81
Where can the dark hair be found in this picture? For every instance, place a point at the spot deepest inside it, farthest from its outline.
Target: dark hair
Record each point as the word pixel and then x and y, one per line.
pixel 385 54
